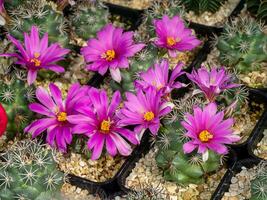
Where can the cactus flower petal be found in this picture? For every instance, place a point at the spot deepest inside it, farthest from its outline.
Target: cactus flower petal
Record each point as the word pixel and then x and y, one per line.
pixel 36 55
pixel 208 130
pixel 110 50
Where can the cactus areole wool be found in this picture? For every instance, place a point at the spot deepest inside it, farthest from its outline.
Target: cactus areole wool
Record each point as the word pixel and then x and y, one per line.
pixel 3 120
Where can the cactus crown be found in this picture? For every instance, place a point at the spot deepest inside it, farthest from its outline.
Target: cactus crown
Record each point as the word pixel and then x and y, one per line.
pixel 40 13
pixel 157 10
pixel 202 5
pixel 87 18
pixel 28 170
pixel 258 185
pixel 243 45
pixel 146 192
pixel 176 165
pixel 15 97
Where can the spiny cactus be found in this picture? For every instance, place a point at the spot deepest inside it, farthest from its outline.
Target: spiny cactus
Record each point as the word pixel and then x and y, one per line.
pixel 28 171
pixel 87 18
pixel 258 8
pixel 5 63
pixel 157 10
pixel 148 193
pixel 258 185
pixel 15 97
pixel 243 45
pixel 26 13
pixel 176 165
pixel 141 62
pixel 202 6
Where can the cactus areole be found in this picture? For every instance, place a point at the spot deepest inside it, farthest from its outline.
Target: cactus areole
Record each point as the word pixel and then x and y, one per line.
pixel 3 120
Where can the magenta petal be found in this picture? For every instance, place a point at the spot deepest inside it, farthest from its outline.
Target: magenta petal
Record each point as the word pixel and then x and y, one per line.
pixel 98 147
pixel 188 147
pixel 123 147
pixel 111 147
pixel 56 94
pixel 38 108
pixel 32 75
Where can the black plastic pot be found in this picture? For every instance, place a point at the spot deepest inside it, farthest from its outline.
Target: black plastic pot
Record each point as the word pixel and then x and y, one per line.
pixel 231 172
pixel 110 188
pixel 242 149
pixel 210 30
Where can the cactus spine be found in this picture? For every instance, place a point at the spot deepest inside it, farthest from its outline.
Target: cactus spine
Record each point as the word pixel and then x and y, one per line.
pixel 26 13
pixel 28 171
pixel 176 165
pixel 15 97
pixel 87 18
pixel 243 45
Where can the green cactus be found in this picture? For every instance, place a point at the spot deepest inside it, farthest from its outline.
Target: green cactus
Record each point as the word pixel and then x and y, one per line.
pixel 15 97
pixel 176 165
pixel 258 8
pixel 26 13
pixel 157 10
pixel 5 63
pixel 258 185
pixel 202 6
pixel 28 171
pixel 141 62
pixel 87 18
pixel 145 194
pixel 243 45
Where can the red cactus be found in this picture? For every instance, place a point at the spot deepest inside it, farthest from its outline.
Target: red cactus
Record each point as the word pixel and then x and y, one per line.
pixel 3 120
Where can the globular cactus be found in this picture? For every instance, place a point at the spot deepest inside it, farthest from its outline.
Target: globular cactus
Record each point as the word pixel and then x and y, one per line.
pixel 87 18
pixel 258 8
pixel 15 97
pixel 156 11
pixel 243 45
pixel 28 171
pixel 258 184
pixel 26 13
pixel 141 62
pixel 202 6
pixel 148 193
pixel 5 63
pixel 176 165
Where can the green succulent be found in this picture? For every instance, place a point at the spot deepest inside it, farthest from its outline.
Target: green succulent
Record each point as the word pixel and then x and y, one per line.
pixel 15 97
pixel 87 18
pixel 28 171
pixel 202 6
pixel 243 45
pixel 176 165
pixel 141 62
pixel 27 13
pixel 258 8
pixel 258 185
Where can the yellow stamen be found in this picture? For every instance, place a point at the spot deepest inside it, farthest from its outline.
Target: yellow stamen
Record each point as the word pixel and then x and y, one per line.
pixel 62 117
pixel 36 62
pixel 205 136
pixel 148 116
pixel 109 55
pixel 36 55
pixel 171 41
pixel 105 126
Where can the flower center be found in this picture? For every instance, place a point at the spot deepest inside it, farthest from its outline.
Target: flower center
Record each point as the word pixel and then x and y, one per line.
pixel 205 136
pixel 62 117
pixel 148 116
pixel 35 60
pixel 171 41
pixel 105 126
pixel 109 55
